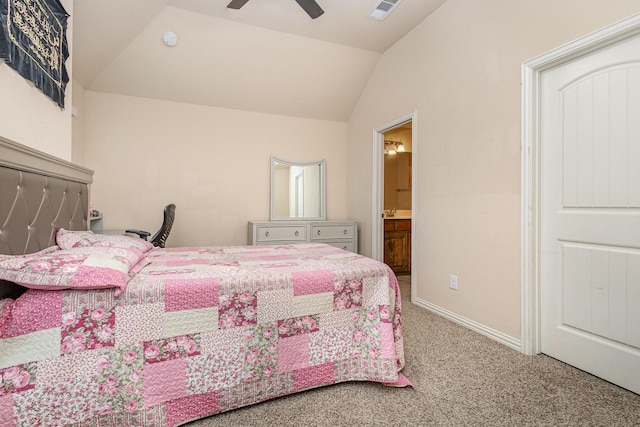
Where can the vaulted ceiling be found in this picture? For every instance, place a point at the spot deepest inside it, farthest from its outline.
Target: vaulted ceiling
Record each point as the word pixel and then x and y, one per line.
pixel 267 57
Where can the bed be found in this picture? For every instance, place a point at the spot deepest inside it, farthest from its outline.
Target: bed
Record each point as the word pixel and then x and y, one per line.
pixel 108 330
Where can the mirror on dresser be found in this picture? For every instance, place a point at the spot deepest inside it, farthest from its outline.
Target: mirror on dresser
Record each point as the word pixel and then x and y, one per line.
pixel 297 190
pixel 298 210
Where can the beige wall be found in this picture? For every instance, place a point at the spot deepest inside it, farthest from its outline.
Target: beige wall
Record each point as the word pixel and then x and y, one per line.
pixel 77 125
pixel 213 163
pixel 460 70
pixel 30 117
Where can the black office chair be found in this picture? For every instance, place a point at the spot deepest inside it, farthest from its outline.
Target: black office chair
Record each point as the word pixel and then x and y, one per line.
pixel 159 239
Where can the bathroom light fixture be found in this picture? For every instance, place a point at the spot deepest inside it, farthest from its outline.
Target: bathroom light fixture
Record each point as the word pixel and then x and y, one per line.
pixel 392 147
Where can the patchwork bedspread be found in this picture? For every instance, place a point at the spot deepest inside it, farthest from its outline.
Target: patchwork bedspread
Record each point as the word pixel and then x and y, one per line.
pixel 198 331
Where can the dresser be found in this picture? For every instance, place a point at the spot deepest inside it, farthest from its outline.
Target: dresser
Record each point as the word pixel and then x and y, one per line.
pixel 341 234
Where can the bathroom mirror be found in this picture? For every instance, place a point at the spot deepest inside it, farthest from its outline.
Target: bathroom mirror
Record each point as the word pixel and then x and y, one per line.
pixel 297 190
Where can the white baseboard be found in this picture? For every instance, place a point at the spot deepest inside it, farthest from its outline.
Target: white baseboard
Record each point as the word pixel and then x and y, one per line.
pixel 468 323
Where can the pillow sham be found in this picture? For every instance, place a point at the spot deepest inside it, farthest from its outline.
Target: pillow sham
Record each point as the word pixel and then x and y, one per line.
pixel 77 268
pixel 67 239
pixel 12 290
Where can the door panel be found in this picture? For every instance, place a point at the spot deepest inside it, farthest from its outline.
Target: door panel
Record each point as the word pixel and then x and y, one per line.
pixel 596 282
pixel 590 213
pixel 600 139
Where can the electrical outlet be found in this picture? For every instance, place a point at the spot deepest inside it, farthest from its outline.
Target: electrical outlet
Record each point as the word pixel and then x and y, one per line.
pixel 453 282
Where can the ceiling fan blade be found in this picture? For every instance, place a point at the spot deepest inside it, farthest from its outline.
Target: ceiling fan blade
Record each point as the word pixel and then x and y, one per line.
pixel 311 7
pixel 237 4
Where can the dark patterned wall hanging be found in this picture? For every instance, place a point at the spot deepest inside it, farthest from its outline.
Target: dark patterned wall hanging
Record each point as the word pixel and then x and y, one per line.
pixel 33 41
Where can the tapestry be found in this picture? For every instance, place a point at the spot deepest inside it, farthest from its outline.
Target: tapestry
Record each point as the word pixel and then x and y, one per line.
pixel 33 41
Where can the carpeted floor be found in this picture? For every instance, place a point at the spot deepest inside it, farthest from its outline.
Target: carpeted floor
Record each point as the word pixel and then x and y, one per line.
pixel 461 378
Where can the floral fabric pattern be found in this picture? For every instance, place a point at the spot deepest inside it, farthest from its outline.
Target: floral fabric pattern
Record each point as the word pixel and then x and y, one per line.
pixel 347 294
pixel 261 356
pixel 67 239
pixel 224 369
pixel 83 268
pixel 90 330
pixel 17 378
pixel 56 404
pixel 298 325
pixel 171 348
pixel 386 315
pixel 195 332
pixel 366 333
pixel 120 381
pixel 237 309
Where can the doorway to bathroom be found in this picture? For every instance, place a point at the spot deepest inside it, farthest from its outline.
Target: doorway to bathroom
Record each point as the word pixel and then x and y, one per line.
pixel 394 219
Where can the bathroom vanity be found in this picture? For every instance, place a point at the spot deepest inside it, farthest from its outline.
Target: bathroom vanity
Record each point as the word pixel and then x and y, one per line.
pixel 397 244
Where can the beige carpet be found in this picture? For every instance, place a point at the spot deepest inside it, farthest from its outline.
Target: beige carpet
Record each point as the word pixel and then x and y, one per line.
pixel 461 378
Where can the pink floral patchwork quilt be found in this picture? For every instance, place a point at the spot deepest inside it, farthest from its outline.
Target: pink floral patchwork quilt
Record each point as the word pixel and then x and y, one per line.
pixel 198 331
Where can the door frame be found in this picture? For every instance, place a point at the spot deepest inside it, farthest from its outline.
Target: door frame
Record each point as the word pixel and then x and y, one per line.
pixel 531 165
pixel 377 196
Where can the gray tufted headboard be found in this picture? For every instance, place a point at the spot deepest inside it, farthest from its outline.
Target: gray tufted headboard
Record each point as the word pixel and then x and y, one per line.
pixel 39 194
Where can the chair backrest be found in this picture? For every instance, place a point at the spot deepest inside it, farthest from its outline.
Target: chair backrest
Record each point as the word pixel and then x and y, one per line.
pixel 159 239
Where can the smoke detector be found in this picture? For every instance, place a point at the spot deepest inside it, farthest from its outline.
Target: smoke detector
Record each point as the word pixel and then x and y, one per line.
pixel 382 9
pixel 170 38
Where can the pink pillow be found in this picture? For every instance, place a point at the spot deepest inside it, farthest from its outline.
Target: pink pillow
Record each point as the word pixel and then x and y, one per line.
pixel 72 239
pixel 77 268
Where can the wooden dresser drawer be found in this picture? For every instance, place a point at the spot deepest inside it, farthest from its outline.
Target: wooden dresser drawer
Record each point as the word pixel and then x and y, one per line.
pixel 322 232
pixel 275 234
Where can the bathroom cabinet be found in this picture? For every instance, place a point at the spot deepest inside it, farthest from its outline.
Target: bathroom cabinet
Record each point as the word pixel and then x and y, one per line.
pixel 397 245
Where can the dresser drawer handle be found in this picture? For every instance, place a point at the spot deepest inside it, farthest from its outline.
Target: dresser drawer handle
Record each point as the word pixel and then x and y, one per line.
pixel 296 233
pixel 345 232
pixel 318 232
pixel 266 234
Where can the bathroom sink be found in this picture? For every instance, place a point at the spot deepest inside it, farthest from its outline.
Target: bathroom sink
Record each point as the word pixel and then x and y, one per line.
pixel 399 214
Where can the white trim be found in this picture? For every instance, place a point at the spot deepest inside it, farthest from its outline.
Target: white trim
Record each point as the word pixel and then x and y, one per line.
pixel 377 195
pixel 530 164
pixel 468 323
pixel 415 224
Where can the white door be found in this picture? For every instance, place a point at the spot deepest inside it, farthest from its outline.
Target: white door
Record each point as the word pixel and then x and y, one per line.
pixel 590 213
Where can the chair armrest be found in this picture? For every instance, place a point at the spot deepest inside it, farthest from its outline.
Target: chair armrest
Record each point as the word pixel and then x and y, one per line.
pixel 143 234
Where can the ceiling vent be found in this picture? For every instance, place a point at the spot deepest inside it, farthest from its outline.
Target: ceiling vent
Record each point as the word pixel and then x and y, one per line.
pixel 382 9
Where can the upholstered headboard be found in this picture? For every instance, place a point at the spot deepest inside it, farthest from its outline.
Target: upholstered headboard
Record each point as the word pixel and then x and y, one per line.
pixel 39 194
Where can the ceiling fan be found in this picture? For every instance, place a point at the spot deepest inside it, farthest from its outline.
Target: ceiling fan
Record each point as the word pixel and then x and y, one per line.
pixel 309 6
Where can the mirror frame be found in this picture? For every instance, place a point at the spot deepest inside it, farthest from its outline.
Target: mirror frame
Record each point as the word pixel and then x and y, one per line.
pixel 322 191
